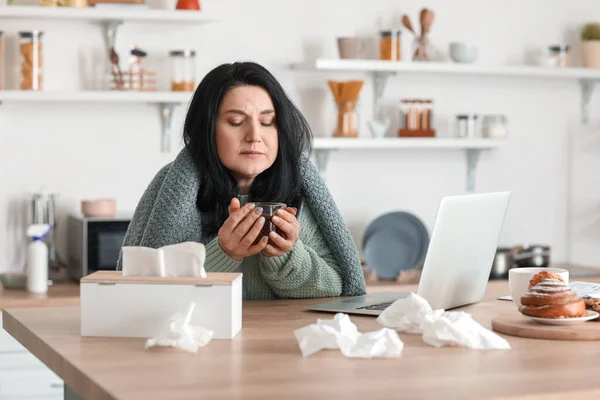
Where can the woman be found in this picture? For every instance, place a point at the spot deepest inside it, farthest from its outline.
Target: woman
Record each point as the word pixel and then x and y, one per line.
pixel 245 142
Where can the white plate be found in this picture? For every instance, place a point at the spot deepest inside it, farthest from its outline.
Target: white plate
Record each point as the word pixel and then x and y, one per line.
pixel 567 321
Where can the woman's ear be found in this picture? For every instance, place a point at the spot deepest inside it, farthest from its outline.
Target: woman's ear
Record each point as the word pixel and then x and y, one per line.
pixel 234 205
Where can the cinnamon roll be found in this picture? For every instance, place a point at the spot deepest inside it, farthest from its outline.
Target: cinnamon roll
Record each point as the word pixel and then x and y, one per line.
pixel 552 298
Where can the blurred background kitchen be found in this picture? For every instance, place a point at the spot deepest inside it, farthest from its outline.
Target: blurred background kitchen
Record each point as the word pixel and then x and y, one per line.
pixel 409 102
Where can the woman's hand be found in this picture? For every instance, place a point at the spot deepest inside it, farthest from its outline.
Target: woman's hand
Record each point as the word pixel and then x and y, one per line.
pixel 284 219
pixel 237 236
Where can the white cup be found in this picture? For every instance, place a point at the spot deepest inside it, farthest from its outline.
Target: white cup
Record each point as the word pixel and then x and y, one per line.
pixel 518 280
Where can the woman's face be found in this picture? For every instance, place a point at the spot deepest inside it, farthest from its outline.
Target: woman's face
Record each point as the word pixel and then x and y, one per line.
pixel 246 134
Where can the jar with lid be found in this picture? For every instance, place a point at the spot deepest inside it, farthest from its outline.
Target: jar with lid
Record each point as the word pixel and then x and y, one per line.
pixel 558 56
pixel 31 53
pixel 183 70
pixel 389 45
pixel 467 125
pixel 494 126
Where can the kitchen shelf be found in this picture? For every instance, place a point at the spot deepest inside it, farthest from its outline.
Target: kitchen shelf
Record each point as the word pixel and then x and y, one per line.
pixel 105 14
pixel 405 143
pixel 322 148
pixel 166 102
pixel 382 70
pixel 112 96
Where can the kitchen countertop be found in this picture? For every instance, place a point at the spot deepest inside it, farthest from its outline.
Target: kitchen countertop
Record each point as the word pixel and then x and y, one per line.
pixel 59 294
pixel 263 360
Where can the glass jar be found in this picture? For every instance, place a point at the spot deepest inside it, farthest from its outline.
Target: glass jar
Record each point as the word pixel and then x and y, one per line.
pixel 467 125
pixel 558 56
pixel 30 50
pixel 494 126
pixel 389 45
pixel 183 70
pixel 347 123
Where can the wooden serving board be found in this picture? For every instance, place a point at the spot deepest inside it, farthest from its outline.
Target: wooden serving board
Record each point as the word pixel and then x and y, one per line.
pixel 520 325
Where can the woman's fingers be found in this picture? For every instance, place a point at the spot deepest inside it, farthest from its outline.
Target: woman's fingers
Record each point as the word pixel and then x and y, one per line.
pixel 246 224
pixel 280 242
pixel 252 234
pixel 287 227
pixel 236 217
pixel 234 205
pixel 260 246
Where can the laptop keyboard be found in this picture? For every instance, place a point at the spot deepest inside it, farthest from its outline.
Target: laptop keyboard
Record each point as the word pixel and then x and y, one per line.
pixel 378 306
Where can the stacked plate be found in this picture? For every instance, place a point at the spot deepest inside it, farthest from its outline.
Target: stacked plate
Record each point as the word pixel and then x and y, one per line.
pixel 395 242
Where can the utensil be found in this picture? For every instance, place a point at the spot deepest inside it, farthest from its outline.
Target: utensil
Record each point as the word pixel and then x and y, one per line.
pixel 346 96
pixel 407 24
pixel 503 262
pixel 534 255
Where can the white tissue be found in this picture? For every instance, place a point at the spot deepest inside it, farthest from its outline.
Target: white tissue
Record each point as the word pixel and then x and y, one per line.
pixel 180 334
pixel 341 333
pixel 182 259
pixel 439 328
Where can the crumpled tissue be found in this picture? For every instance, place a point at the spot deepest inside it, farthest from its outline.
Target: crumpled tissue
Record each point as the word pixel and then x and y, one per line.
pixel 341 333
pixel 439 328
pixel 180 334
pixel 180 259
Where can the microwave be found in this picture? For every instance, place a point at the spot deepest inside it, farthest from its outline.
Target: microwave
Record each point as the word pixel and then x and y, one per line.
pixel 94 243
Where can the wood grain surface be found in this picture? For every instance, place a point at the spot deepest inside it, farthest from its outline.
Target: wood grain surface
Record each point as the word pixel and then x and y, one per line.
pixel 264 361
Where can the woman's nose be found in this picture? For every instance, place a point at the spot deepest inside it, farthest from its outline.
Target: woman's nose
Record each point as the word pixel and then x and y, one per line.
pixel 253 133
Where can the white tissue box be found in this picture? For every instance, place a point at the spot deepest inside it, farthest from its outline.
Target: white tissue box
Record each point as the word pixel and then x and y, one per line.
pixel 114 305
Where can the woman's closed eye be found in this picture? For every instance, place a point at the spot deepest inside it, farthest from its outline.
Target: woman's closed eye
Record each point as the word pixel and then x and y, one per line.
pixel 236 123
pixel 268 123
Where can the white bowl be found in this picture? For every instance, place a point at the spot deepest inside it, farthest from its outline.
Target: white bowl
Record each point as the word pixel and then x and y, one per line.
pixel 463 53
pixel 518 280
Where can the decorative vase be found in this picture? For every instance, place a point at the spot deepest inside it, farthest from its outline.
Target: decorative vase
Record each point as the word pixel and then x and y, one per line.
pixel 188 5
pixel 590 53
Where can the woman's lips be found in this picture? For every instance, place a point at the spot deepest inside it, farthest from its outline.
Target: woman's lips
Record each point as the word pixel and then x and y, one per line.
pixel 252 154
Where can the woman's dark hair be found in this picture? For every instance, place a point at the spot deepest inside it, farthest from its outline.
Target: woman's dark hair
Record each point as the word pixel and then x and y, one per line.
pixel 281 182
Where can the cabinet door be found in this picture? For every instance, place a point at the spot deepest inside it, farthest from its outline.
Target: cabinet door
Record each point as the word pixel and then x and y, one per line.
pixel 30 383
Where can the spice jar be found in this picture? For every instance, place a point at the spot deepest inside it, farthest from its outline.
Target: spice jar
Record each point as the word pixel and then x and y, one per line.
pixel 467 125
pixel 183 70
pixel 494 126
pixel 389 45
pixel 1 61
pixel 559 56
pixel 30 49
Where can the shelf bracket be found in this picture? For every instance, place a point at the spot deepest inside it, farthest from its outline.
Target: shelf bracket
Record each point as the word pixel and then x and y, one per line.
pixel 587 89
pixel 322 159
pixel 380 80
pixel 166 119
pixel 472 160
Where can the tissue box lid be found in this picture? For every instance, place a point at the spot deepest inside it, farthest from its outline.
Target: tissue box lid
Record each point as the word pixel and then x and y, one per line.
pixel 212 278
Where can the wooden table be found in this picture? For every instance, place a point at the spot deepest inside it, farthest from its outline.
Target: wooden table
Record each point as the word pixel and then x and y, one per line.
pixel 59 294
pixel 264 361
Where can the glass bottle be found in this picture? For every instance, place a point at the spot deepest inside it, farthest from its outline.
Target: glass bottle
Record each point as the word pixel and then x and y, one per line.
pixel 389 45
pixel 31 53
pixel 183 70
pixel 347 122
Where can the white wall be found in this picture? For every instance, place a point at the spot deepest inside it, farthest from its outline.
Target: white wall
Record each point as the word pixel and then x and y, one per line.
pixel 88 150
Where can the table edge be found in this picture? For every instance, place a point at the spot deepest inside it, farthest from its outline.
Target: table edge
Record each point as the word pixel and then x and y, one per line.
pixel 73 377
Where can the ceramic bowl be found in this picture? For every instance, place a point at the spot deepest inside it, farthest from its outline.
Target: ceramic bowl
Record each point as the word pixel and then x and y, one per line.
pixel 99 208
pixel 463 53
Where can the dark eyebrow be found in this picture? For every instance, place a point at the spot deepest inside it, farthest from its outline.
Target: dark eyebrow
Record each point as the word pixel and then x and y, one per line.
pixel 240 112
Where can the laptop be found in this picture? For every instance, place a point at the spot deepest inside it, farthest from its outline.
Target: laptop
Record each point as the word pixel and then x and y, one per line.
pixel 458 261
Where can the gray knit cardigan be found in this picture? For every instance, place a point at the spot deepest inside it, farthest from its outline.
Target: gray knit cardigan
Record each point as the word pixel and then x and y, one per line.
pixel 167 214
